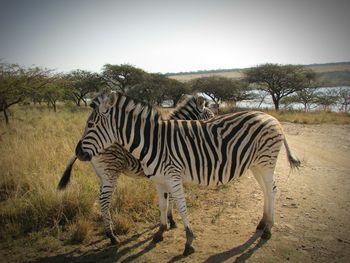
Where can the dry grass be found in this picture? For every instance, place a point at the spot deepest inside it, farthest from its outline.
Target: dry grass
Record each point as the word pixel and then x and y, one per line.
pixel 80 230
pixel 317 117
pixel 35 149
pixel 314 117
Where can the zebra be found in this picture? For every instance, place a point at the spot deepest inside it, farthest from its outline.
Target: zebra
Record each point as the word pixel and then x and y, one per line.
pixel 114 160
pixel 211 152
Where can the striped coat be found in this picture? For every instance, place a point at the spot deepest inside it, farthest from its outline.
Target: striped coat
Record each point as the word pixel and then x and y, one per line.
pixel 114 160
pixel 211 152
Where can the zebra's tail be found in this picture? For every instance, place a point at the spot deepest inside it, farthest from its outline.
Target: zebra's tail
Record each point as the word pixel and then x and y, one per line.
pixel 66 175
pixel 294 162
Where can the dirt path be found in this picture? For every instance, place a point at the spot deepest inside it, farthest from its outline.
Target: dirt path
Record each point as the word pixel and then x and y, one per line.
pixel 312 214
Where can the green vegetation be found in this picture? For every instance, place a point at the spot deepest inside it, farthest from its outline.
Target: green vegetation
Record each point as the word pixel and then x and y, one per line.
pixel 285 84
pixel 280 81
pixel 221 89
pixel 328 74
pixel 37 141
pixel 35 149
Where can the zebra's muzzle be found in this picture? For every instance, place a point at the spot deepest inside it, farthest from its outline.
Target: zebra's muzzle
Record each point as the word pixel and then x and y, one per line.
pixel 81 154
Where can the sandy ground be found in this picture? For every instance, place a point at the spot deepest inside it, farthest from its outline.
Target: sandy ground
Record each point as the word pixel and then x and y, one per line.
pixel 312 215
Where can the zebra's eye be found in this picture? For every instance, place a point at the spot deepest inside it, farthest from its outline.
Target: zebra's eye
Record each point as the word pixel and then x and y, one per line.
pixel 91 124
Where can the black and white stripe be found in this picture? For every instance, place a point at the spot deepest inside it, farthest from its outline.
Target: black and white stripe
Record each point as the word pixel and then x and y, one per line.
pixel 211 152
pixel 113 161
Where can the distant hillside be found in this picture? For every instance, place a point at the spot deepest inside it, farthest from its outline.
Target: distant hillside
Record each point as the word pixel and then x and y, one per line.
pixel 329 74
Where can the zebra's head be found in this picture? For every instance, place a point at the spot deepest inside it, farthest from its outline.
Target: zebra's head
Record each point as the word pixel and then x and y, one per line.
pixel 98 133
pixel 192 108
pixel 205 112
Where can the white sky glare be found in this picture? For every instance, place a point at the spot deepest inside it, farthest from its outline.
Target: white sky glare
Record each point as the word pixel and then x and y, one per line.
pixel 172 36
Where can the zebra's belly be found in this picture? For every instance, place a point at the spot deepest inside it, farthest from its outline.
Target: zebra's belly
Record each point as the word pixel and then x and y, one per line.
pixel 132 174
pixel 216 177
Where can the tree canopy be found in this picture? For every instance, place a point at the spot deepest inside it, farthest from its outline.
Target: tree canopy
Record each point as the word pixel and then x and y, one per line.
pixel 80 83
pixel 155 88
pixel 280 80
pixel 222 89
pixel 122 77
pixel 18 83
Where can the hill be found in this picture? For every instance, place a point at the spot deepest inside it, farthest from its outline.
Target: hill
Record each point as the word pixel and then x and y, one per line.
pixel 329 74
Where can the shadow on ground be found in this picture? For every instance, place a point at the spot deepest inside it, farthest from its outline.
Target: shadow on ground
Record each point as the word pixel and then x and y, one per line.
pixel 245 251
pixel 113 254
pixel 109 254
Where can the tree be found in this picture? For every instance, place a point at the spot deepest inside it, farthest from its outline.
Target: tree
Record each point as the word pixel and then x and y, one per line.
pixel 344 98
pixel 327 98
pixel 37 79
pixel 80 83
pixel 54 91
pixel 287 101
pixel 151 90
pixel 222 89
pixel 307 97
pixel 174 90
pixel 10 91
pixel 18 83
pixel 122 77
pixel 280 80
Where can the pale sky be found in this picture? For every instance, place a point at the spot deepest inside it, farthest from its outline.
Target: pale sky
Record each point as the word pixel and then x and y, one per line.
pixel 172 36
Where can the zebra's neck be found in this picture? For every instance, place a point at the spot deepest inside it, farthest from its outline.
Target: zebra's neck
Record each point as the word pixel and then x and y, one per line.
pixel 187 110
pixel 137 125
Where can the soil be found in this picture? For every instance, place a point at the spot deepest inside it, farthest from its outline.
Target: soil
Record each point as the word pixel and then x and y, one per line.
pixel 312 215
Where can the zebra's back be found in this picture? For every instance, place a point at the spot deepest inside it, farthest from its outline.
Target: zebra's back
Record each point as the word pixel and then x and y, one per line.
pixel 218 150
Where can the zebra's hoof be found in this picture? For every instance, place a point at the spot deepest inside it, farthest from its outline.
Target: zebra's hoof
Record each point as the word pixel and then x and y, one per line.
pixel 173 225
pixel 157 238
pixel 261 225
pixel 266 235
pixel 188 250
pixel 114 241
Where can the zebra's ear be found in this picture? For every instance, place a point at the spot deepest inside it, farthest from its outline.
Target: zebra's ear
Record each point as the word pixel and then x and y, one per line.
pixel 110 100
pixel 200 102
pixel 96 101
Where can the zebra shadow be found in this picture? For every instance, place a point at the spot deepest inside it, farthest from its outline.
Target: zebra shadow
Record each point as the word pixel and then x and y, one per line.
pixel 107 254
pixel 245 250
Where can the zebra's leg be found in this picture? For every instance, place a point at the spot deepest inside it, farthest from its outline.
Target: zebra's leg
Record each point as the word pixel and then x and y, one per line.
pixel 163 206
pixel 170 212
pixel 106 191
pixel 178 194
pixel 265 178
pixel 258 176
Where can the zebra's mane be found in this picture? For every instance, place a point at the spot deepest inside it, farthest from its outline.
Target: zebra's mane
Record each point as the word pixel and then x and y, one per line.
pixel 136 105
pixel 190 100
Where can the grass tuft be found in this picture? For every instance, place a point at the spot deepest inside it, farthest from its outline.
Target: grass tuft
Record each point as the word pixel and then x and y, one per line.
pixel 80 230
pixel 34 151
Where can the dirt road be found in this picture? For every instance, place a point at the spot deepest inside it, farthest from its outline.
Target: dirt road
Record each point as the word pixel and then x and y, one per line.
pixel 312 214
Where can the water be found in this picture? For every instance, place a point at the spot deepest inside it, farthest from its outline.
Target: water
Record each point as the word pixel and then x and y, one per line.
pixel 266 102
